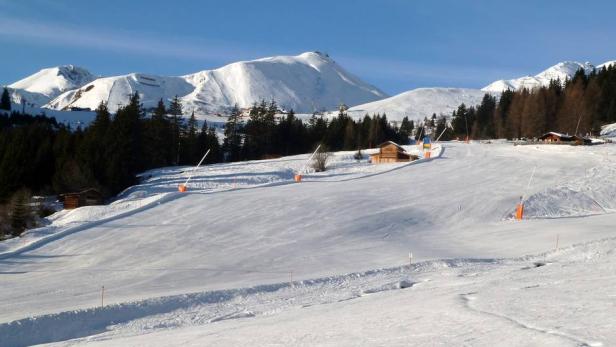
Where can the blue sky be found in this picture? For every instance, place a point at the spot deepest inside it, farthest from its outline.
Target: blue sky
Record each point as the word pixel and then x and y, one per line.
pixel 396 45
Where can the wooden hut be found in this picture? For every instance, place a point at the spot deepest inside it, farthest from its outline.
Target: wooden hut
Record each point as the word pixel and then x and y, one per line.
pixel 558 138
pixel 86 197
pixel 391 152
pixel 554 137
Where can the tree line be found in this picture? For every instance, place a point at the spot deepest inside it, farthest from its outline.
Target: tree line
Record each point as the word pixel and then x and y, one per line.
pixel 263 135
pixel 578 106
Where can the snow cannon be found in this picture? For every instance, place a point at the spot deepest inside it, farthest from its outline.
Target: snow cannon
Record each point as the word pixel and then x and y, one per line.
pixel 182 188
pixel 298 178
pixel 519 211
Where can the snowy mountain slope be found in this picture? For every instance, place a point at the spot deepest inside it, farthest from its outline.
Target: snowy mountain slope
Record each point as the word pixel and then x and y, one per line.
pixel 116 91
pixel 307 82
pixel 209 261
pixel 563 71
pixel 48 83
pixel 420 103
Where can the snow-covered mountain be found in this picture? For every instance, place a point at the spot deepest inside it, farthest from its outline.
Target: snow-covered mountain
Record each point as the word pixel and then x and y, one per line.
pixel 420 103
pixel 563 71
pixel 46 84
pixel 308 82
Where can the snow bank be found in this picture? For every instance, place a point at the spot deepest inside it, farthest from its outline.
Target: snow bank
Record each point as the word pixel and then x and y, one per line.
pixel 590 194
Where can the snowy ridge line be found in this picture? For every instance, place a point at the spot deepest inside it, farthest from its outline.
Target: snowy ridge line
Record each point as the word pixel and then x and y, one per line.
pixel 71 230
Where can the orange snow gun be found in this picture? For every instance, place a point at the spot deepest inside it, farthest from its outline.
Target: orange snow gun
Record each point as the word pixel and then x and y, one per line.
pixel 519 211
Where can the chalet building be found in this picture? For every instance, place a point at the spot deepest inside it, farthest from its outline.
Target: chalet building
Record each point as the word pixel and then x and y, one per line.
pixel 86 197
pixel 558 138
pixel 391 152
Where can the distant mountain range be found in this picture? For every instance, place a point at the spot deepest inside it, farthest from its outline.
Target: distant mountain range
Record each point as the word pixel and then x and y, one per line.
pixel 307 83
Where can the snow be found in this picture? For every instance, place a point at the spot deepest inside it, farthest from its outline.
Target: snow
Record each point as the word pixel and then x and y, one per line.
pixel 419 103
pixel 306 83
pixel 48 83
pixel 608 131
pixel 561 71
pixel 247 257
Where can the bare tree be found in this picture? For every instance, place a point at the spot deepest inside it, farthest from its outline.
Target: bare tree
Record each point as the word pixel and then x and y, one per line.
pixel 319 161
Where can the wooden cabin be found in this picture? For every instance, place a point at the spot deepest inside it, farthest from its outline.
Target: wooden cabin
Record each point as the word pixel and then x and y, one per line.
pixel 391 152
pixel 558 138
pixel 86 197
pixel 554 137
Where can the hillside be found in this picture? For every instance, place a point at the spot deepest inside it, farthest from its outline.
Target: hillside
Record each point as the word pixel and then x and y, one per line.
pixel 209 267
pixel 420 103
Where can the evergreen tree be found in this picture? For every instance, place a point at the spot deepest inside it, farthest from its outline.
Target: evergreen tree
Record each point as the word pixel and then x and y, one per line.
pixel 233 141
pixel 406 129
pixel 21 214
pixel 178 128
pixel 126 151
pixel 160 138
pixel 190 152
pixel 5 100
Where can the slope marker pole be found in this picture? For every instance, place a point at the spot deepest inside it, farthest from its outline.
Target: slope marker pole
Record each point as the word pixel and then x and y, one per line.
pixel 182 188
pixel 102 296
pixel 298 175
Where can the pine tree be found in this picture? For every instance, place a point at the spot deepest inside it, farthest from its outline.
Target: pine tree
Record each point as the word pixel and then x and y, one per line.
pixel 177 122
pixel 189 142
pixel 126 157
pixel 350 138
pixel 160 138
pixel 21 214
pixel 233 141
pixel 5 100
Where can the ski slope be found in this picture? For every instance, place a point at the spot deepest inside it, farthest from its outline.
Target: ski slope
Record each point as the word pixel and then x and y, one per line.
pixel 213 266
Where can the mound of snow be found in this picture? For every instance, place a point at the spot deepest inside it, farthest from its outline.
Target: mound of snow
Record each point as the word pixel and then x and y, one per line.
pixel 308 82
pixel 608 130
pixel 585 195
pixel 420 103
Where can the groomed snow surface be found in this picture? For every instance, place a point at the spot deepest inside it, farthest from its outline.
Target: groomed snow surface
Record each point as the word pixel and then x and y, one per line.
pixel 247 257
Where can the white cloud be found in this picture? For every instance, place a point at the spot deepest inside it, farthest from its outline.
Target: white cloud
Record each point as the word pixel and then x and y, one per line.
pixel 130 42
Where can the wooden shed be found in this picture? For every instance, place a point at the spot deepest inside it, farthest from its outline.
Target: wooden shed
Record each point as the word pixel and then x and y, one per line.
pixel 85 197
pixel 558 138
pixel 391 152
pixel 554 137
